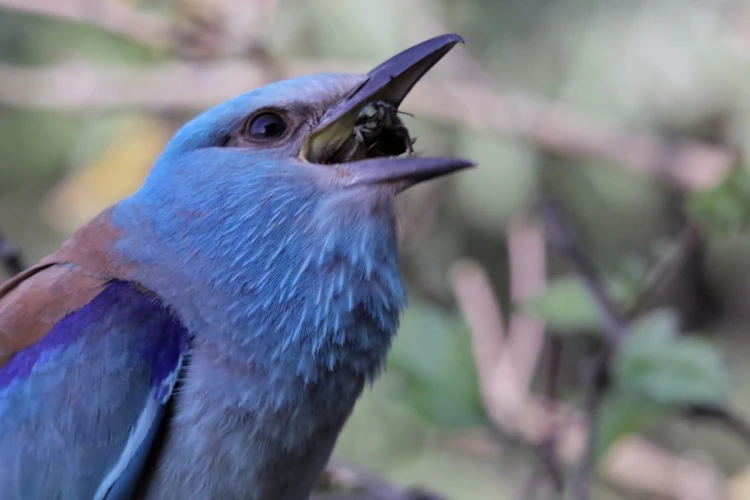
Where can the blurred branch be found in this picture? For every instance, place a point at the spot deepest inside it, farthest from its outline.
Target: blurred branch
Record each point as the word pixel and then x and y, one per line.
pixel 633 462
pixel 734 423
pixel 376 495
pixel 77 87
pixel 116 17
pixel 564 242
pixel 10 257
pixel 506 363
pixel 547 450
pixel 528 278
pixel 342 480
pixel 691 165
pixel 484 316
pixel 668 268
pixel 197 30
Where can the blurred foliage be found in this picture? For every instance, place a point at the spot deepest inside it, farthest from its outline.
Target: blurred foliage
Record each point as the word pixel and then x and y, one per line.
pixel 725 209
pixel 622 414
pixel 659 364
pixel 566 306
pixel 662 66
pixel 436 381
pixel 658 371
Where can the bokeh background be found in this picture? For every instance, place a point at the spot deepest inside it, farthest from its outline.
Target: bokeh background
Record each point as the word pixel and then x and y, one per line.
pixel 634 115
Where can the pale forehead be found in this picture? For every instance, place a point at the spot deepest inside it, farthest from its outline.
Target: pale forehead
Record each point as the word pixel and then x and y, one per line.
pixel 314 89
pixel 318 91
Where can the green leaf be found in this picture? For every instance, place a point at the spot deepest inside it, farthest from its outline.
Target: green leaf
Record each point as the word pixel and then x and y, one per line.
pixel 567 307
pixel 725 209
pixel 622 414
pixel 656 325
pixel 432 354
pixel 656 363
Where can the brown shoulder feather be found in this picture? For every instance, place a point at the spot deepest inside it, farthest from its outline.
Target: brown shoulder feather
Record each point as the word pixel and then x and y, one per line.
pixel 32 302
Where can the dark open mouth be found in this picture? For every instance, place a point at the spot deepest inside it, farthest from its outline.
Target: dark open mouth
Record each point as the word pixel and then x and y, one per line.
pixel 364 134
pixel 366 124
pixel 378 132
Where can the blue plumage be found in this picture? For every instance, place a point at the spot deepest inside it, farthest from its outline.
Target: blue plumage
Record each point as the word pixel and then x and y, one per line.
pixel 135 346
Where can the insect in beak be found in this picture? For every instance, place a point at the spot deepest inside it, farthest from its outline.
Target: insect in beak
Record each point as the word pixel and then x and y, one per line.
pixel 363 135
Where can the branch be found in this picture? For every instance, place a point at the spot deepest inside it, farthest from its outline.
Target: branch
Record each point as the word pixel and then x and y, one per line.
pixel 376 495
pixel 633 462
pixel 78 87
pixel 528 278
pixel 730 421
pixel 506 362
pixel 115 17
pixel 10 257
pixel 668 268
pixel 556 432
pixel 343 480
pixel 563 240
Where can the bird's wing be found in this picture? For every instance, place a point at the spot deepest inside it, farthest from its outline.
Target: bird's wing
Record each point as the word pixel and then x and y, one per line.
pixel 87 366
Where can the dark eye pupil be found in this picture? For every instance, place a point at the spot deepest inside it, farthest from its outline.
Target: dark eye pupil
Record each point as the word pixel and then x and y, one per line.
pixel 267 126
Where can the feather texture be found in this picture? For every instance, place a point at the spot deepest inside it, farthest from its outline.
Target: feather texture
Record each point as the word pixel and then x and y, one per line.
pixel 77 405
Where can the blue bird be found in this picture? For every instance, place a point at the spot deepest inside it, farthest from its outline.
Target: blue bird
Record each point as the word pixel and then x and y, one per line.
pixel 209 336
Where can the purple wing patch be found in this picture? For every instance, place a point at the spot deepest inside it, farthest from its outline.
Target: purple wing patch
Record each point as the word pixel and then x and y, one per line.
pixel 163 339
pixel 90 396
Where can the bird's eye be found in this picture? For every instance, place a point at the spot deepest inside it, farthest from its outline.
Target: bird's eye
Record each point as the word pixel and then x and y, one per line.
pixel 266 126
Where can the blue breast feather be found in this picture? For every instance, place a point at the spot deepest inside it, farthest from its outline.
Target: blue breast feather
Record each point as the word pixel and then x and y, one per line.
pixel 78 409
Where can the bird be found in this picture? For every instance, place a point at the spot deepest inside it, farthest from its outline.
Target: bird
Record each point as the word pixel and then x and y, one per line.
pixel 208 336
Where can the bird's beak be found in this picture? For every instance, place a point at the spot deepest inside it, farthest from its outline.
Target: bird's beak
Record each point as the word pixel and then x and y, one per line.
pixel 390 82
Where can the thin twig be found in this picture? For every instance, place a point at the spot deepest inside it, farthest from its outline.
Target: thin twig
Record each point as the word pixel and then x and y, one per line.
pixel 528 278
pixel 633 462
pixel 547 450
pixel 722 416
pixel 527 262
pixel 669 267
pixel 376 495
pixel 595 379
pixel 529 489
pixel 343 480
pixel 562 236
pixel 554 366
pixel 563 240
pixel 593 388
pixel 546 453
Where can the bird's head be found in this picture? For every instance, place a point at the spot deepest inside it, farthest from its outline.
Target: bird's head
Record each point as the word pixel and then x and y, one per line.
pixel 315 160
pixel 281 201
